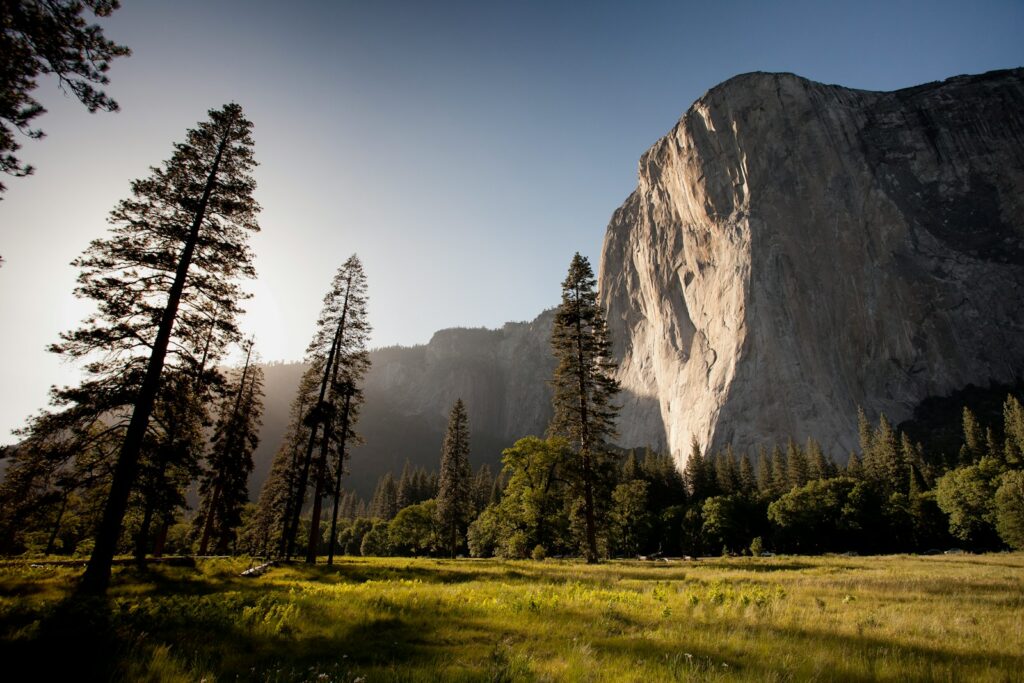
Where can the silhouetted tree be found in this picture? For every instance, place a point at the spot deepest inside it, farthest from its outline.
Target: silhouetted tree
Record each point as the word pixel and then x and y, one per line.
pixel 41 37
pixel 224 487
pixel 174 252
pixel 338 351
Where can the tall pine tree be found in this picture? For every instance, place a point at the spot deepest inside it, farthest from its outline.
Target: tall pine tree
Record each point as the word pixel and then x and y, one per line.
pixel 583 384
pixel 454 495
pixel 338 352
pixel 176 249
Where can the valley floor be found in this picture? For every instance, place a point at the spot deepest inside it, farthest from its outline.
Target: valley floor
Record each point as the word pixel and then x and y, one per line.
pixel 949 618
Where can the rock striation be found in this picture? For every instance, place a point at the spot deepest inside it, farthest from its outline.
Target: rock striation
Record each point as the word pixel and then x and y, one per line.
pixel 795 250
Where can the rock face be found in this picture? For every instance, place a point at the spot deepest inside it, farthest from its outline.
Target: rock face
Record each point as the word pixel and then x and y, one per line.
pixel 794 250
pixel 500 374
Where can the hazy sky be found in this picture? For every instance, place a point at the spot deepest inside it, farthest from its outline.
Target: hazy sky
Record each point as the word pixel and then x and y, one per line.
pixel 464 150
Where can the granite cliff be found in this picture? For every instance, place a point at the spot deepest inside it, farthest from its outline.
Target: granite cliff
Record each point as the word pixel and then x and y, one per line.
pixel 795 250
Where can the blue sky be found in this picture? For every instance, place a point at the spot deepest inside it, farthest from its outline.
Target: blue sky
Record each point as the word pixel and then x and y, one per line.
pixel 464 149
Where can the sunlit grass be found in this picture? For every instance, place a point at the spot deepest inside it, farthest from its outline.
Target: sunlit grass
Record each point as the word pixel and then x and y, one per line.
pixel 396 619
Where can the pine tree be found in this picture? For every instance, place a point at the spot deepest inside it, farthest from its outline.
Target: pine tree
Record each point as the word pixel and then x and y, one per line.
pixel 797 467
pixel 273 510
pixel 384 505
pixel 49 37
pixel 780 472
pixel 224 484
pixel 352 362
pixel 454 487
pixel 169 460
pixel 406 493
pixel 583 383
pixel 695 473
pixel 748 482
pixel 175 250
pixel 973 447
pixel 1013 429
pixel 483 482
pixel 338 351
pixel 819 466
pixel 765 477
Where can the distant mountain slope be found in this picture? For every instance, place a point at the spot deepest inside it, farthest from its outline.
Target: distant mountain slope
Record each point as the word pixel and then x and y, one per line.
pixel 501 375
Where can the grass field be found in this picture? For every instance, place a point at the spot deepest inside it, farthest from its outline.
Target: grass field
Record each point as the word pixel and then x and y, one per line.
pixel 943 618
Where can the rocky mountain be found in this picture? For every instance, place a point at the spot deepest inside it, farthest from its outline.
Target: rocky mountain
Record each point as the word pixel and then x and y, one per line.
pixel 500 374
pixel 795 250
pixel 792 251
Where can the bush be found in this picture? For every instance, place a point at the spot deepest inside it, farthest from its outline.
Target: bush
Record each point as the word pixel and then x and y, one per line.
pixel 1010 509
pixel 756 546
pixel 376 541
pixel 539 553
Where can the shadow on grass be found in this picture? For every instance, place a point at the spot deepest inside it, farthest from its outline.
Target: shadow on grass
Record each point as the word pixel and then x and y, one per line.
pixel 98 639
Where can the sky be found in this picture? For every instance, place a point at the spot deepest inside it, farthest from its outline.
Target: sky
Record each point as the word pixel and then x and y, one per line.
pixel 465 150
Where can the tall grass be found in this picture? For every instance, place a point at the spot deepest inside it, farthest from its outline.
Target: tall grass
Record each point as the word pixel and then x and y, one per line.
pixel 784 618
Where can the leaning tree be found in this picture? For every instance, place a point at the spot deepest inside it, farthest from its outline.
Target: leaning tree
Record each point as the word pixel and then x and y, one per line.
pixel 165 285
pixel 338 352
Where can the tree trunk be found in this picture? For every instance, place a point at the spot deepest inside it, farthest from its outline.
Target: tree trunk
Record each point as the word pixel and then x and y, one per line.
pixel 300 488
pixel 341 469
pixel 330 374
pixel 161 537
pixel 588 491
pixel 56 525
pixel 143 535
pixel 97 573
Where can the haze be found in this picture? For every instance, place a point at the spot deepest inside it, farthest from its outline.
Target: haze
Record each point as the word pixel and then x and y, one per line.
pixel 465 151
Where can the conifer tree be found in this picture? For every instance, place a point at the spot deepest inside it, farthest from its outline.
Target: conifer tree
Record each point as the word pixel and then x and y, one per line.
pixel 973 447
pixel 1013 429
pixel 583 384
pixel 384 505
pixel 41 37
pixel 176 248
pixel 338 351
pixel 797 467
pixel 404 496
pixel 748 482
pixel 454 496
pixel 765 480
pixel 483 482
pixel 780 472
pixel 224 487
pixel 695 473
pixel 273 510
pixel 819 466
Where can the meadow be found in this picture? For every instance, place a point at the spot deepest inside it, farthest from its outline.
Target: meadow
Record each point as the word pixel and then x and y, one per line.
pixel 935 618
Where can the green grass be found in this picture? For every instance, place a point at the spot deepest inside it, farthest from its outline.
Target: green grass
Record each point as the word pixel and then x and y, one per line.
pixel 943 618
